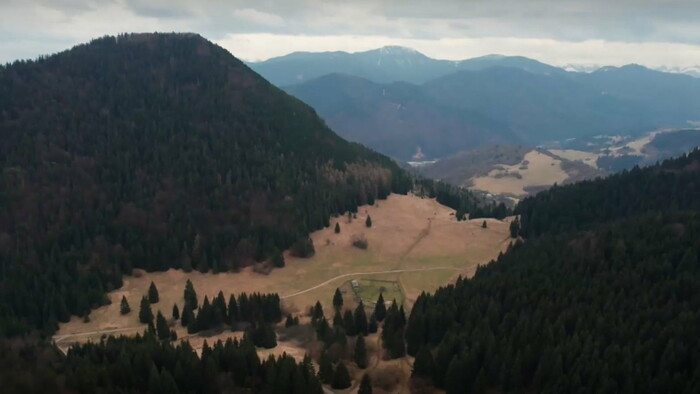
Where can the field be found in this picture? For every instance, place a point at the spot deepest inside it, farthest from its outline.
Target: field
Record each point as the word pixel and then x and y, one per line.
pixel 414 245
pixel 368 291
pixel 537 169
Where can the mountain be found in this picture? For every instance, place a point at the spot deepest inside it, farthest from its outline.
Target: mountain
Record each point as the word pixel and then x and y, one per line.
pixel 383 65
pixel 542 108
pixel 693 71
pixel 157 151
pixel 601 296
pixel 673 97
pixel 398 119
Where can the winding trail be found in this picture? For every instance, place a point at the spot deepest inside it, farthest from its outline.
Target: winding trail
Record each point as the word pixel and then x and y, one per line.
pixel 366 273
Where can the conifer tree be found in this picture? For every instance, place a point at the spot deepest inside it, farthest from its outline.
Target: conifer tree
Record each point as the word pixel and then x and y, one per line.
pixel 337 228
pixel 232 312
pixel 291 321
pixel 360 354
pixel 360 317
pixel 380 308
pixel 124 308
pixel 484 225
pixel 325 368
pixel 145 313
pixel 423 364
pixel 372 325
pixel 190 296
pixel 349 323
pixel 337 319
pixel 341 377
pixel 162 327
pixel 153 297
pixel 368 222
pixel 277 258
pixel 176 312
pixel 187 315
pixel 337 299
pixel 365 385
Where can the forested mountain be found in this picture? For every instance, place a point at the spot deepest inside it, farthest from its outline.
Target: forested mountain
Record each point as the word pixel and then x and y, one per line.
pixel 383 65
pixel 398 119
pixel 157 151
pixel 603 295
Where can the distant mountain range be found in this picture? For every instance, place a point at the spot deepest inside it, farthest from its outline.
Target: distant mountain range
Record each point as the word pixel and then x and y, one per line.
pixel 395 63
pixel 412 107
pixel 383 65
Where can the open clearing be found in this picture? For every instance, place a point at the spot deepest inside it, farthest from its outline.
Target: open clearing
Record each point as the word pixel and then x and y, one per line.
pixel 537 169
pixel 414 242
pixel 588 158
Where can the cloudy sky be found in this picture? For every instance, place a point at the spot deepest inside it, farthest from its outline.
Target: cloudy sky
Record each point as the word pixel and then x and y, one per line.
pixel 614 32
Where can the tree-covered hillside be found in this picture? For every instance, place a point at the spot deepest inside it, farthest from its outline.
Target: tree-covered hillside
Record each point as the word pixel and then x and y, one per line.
pixel 602 296
pixel 672 186
pixel 157 151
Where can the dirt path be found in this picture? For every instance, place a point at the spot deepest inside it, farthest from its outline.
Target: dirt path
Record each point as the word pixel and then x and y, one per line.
pixel 59 338
pixel 365 273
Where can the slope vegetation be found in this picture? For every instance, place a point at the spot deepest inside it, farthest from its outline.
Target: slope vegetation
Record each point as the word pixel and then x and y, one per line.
pixel 602 297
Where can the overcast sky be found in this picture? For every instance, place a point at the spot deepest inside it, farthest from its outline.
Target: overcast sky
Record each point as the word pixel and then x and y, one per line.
pixel 611 32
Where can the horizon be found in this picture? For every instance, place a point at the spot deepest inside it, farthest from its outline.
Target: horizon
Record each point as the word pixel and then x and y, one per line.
pixel 652 33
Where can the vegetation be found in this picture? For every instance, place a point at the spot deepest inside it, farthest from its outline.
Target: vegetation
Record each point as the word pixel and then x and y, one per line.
pixel 368 222
pixel 341 377
pixel 153 297
pixel 365 385
pixel 602 297
pixel 360 353
pixel 124 307
pixel 145 313
pixel 143 364
pixel 337 299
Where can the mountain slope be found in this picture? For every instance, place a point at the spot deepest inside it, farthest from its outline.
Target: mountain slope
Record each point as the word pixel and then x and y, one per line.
pixel 397 119
pixel 544 107
pixel 157 151
pixel 601 297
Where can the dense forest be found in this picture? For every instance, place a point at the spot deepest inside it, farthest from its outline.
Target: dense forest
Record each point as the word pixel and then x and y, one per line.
pixel 603 295
pixel 156 151
pixel 673 185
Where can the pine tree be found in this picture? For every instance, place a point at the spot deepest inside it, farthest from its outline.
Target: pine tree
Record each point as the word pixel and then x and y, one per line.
pixel 277 258
pixel 232 312
pixel 372 325
pixel 349 323
pixel 368 222
pixel 317 312
pixel 337 319
pixel 190 296
pixel 361 320
pixel 341 377
pixel 423 364
pixel 145 313
pixel 514 228
pixel 291 321
pixel 360 354
pixel 187 315
pixel 153 293
pixel 325 368
pixel 176 312
pixel 162 327
pixel 484 225
pixel 365 385
pixel 124 308
pixel 380 308
pixel 337 228
pixel 337 299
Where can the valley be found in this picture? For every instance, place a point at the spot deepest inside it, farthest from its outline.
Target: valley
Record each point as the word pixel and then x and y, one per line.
pixel 413 242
